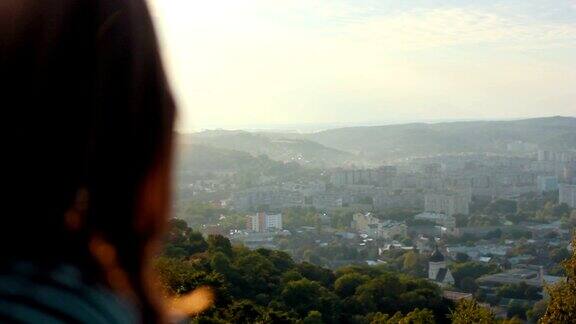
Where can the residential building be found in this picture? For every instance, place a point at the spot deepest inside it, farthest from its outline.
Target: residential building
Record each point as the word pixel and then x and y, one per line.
pixel 557 156
pixel 547 183
pixel 255 240
pixel 360 221
pixel 479 231
pixel 446 203
pixel 567 194
pixel 326 201
pixel 262 222
pixel 528 274
pixel 432 169
pixel 374 227
pixel 477 251
pixel 353 177
pixel 391 229
pixel 384 199
pixel 438 270
pixel 270 197
pixel 569 173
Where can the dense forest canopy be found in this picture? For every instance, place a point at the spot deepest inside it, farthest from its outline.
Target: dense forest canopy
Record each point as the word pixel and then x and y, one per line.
pixel 267 286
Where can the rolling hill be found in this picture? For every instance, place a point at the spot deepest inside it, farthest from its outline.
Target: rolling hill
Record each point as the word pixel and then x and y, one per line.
pixel 393 141
pixel 369 145
pixel 284 149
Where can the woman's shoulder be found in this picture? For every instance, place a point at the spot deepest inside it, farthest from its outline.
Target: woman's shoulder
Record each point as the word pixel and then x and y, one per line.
pixel 33 294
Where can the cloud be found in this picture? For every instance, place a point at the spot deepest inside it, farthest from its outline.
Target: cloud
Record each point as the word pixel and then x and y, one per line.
pixel 285 61
pixel 413 29
pixel 448 27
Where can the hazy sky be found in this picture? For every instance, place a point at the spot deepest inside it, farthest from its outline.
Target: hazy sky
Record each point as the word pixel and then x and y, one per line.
pixel 250 63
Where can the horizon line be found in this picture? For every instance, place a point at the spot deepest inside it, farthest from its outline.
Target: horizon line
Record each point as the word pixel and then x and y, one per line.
pixel 319 127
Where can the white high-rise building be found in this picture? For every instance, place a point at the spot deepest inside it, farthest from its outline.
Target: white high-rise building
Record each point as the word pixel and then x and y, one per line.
pixel 448 204
pixel 262 222
pixel 274 221
pixel 547 183
pixel 567 194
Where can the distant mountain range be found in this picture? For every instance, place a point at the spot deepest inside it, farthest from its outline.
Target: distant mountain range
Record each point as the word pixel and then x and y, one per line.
pixel 376 143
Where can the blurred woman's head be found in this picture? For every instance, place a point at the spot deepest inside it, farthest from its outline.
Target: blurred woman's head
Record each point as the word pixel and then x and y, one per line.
pixel 89 158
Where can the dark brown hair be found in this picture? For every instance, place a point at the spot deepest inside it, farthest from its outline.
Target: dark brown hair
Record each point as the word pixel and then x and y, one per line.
pixel 89 160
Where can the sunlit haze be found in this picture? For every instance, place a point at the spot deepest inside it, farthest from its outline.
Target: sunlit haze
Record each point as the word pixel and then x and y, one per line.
pixel 269 64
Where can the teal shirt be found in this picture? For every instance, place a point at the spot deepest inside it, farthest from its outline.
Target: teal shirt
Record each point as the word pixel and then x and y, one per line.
pixel 59 295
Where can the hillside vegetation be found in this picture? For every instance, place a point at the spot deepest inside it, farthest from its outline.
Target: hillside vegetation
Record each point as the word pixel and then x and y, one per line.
pixel 284 149
pixel 372 144
pixel 423 139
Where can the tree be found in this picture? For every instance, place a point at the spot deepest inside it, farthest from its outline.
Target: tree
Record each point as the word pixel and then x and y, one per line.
pixel 196 243
pixel 513 320
pixel 519 291
pixel 559 255
pixel 219 243
pixel 181 277
pixel 469 311
pixel 202 213
pixel 291 275
pixel 378 318
pixel 346 285
pixel 313 317
pixel 462 257
pixel 471 269
pixel 305 296
pixel 410 261
pixel 316 273
pixel 312 257
pixel 256 273
pixel 517 309
pixel 502 206
pixel 468 284
pixel 281 260
pixel 537 311
pixel 266 286
pixel 220 263
pixel 407 241
pixel 302 295
pixel 182 241
pixel 381 293
pixel 244 312
pixel 418 316
pixel 560 210
pixel 562 303
pixel 177 252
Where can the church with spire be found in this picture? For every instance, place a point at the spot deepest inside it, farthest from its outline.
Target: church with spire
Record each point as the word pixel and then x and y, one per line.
pixel 437 269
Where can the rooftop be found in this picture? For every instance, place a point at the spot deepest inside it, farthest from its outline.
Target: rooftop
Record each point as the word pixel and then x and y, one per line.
pixel 532 276
pixel 437 256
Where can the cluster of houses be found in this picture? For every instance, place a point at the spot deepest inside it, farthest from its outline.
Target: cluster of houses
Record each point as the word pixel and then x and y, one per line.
pixel 443 184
